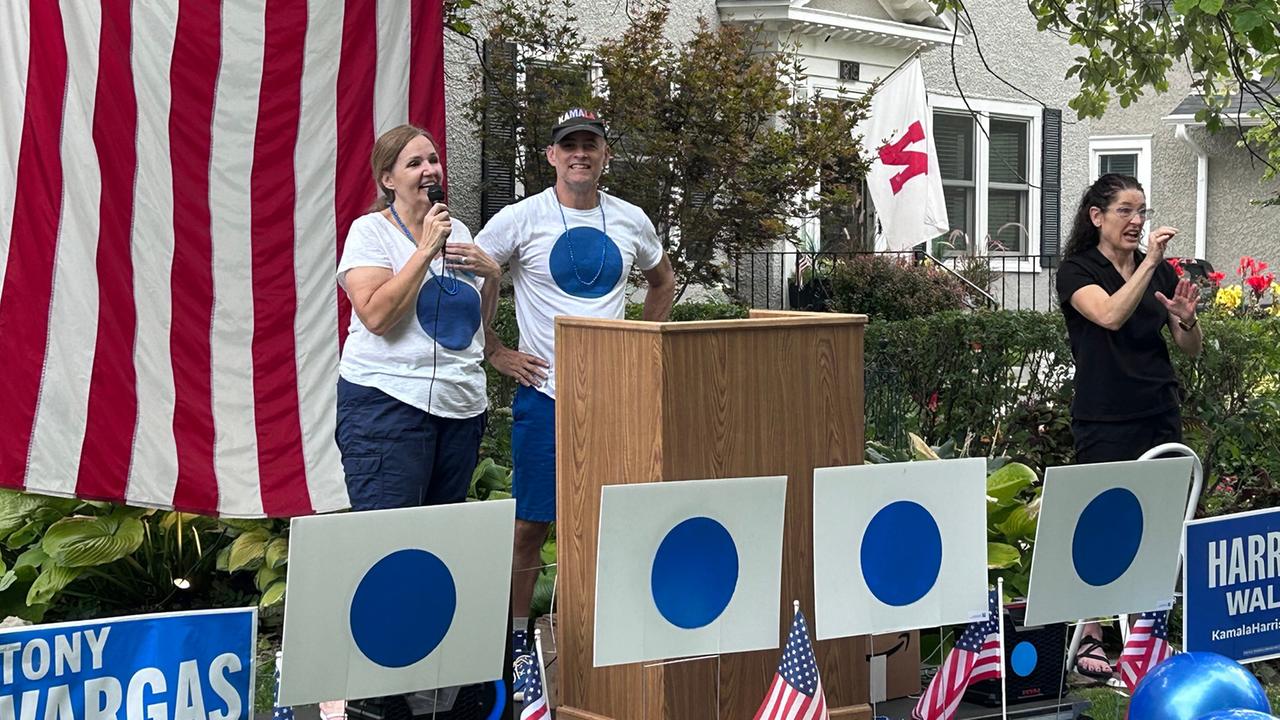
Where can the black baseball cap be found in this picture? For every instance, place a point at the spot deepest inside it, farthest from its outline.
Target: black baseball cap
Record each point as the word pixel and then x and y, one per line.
pixel 576 120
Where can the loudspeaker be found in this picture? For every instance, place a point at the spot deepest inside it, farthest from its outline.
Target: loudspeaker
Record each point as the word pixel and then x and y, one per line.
pixel 1033 665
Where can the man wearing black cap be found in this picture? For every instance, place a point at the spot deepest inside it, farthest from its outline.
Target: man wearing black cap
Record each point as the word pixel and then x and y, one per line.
pixel 569 250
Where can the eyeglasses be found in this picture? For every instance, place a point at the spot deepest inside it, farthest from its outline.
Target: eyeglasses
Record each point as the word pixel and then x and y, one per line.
pixel 1127 213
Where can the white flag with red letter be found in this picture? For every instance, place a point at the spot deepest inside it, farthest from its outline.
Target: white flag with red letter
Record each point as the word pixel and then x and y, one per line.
pixel 904 181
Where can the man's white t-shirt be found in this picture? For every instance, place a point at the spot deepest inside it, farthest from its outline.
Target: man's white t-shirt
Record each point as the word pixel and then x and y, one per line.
pixel 432 358
pixel 571 264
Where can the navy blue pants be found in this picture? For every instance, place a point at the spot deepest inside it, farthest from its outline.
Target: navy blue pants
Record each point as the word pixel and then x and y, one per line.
pixel 395 455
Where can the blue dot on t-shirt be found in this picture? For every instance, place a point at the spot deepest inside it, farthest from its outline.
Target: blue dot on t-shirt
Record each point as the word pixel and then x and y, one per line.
pixel 451 319
pixel 1023 659
pixel 585 262
pixel 901 553
pixel 695 573
pixel 1107 535
pixel 403 607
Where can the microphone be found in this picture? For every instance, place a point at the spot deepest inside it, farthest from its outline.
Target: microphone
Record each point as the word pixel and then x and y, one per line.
pixel 435 194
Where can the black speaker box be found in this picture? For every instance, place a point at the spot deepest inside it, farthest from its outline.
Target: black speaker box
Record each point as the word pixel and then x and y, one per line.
pixel 1033 666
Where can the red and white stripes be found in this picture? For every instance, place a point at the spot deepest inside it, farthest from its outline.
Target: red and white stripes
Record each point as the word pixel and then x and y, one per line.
pixel 176 179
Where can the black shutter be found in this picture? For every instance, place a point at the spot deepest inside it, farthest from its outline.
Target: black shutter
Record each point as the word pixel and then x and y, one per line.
pixel 1051 189
pixel 497 173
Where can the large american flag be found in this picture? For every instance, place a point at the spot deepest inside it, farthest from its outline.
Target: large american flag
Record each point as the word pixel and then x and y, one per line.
pixel 796 692
pixel 176 181
pixel 975 657
pixel 1146 647
pixel 535 691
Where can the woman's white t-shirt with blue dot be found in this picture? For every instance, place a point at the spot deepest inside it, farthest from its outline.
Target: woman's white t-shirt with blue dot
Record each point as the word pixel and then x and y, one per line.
pixel 571 264
pixel 432 358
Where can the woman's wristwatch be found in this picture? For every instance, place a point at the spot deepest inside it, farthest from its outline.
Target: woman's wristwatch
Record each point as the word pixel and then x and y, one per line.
pixel 1188 327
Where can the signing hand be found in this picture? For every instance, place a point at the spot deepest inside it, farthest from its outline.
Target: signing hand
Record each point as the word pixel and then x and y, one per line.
pixel 1183 303
pixel 469 257
pixel 1156 243
pixel 529 370
pixel 436 227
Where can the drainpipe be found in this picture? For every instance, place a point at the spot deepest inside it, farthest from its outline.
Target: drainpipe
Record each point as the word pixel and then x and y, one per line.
pixel 1202 188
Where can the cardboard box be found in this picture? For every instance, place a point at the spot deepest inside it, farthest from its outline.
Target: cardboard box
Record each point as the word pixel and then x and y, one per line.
pixel 893 666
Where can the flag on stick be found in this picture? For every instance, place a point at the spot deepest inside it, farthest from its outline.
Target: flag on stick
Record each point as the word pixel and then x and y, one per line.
pixel 796 692
pixel 535 692
pixel 1146 647
pixel 975 657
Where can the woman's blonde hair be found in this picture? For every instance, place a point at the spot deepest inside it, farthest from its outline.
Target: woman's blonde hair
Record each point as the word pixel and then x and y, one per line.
pixel 383 159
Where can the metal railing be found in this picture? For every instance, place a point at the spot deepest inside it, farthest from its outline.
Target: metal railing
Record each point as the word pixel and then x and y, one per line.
pixel 766 279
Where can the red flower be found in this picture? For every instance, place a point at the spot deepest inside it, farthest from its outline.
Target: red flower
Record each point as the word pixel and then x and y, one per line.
pixel 1259 283
pixel 1247 266
pixel 933 402
pixel 1176 264
pixel 1217 277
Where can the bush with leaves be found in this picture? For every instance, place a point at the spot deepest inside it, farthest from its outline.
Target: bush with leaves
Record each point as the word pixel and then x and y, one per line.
pixel 717 139
pixel 887 288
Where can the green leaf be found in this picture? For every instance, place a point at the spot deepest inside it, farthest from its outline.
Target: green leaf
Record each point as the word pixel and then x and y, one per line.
pixel 1009 480
pixel 51 581
pixel 1000 555
pixel 24 535
pixel 273 595
pixel 89 541
pixel 1182 7
pixel 267 576
pixel 249 550
pixel 16 509
pixel 7 580
pixel 277 554
pixel 223 562
pixel 1021 523
pixel 1211 7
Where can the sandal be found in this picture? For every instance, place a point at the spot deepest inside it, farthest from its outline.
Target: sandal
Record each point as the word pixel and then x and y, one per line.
pixel 1091 649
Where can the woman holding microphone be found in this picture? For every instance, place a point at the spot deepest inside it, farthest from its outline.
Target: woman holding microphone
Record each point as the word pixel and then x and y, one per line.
pixel 411 389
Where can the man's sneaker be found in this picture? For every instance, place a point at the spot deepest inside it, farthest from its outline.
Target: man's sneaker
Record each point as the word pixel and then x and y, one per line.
pixel 521 662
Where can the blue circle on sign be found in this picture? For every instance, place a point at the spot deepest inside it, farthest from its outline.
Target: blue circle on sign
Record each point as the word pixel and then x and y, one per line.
pixel 585 263
pixel 1108 533
pixel 402 608
pixel 901 553
pixel 695 572
pixel 450 319
pixel 1023 659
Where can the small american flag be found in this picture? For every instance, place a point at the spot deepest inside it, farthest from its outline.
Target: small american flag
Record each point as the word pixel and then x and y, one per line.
pixel 535 696
pixel 1147 646
pixel 278 712
pixel 804 263
pixel 796 693
pixel 975 657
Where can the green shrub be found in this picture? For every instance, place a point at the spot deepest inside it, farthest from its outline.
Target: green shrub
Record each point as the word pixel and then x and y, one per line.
pixel 889 288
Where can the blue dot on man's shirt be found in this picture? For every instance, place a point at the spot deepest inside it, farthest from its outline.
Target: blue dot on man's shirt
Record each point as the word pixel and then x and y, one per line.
pixel 403 607
pixel 695 572
pixel 901 553
pixel 585 262
pixel 451 319
pixel 1023 659
pixel 1107 535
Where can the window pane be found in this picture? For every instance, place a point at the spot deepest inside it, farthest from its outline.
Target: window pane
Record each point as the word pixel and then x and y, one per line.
pixel 959 202
pixel 953 136
pixel 1122 163
pixel 1007 221
pixel 1008 153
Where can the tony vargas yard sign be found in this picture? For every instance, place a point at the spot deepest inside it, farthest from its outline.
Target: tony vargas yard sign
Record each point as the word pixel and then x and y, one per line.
pixel 177 666
pixel 1233 585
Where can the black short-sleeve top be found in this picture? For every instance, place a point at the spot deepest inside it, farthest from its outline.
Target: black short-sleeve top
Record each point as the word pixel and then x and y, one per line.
pixel 1120 374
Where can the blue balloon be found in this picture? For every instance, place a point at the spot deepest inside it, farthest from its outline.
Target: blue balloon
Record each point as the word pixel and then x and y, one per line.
pixel 1192 685
pixel 1237 714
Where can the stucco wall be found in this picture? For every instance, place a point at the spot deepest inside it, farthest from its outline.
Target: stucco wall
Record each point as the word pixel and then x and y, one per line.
pixel 599 19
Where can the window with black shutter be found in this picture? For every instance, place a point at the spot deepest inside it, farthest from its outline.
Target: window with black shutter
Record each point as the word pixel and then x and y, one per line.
pixel 1051 189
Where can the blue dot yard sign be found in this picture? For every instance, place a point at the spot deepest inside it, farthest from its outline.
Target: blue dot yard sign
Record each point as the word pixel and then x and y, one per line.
pixel 396 601
pixel 899 546
pixel 1107 539
pixel 1232 585
pixel 688 568
pixel 185 666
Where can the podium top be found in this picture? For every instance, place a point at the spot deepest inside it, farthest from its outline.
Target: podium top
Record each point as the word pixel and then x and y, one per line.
pixel 758 319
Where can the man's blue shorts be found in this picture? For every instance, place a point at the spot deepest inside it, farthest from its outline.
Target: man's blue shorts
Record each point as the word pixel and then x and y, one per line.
pixel 533 453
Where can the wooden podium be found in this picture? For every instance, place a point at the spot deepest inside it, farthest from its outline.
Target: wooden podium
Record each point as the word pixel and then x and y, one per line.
pixel 779 393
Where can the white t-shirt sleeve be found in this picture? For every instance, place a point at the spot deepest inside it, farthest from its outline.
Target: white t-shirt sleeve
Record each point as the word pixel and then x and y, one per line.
pixel 363 249
pixel 500 236
pixel 648 247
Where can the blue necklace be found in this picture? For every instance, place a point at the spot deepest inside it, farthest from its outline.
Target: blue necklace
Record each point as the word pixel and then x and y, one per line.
pixel 452 287
pixel 604 240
